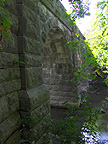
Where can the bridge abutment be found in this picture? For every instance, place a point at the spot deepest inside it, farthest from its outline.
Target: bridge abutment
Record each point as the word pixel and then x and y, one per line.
pixel 40 69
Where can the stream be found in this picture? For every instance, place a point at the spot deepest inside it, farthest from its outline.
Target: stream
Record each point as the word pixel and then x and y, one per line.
pixel 102 122
pixel 97 96
pixel 102 136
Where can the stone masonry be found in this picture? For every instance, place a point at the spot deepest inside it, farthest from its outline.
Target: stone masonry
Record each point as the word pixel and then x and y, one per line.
pixel 27 90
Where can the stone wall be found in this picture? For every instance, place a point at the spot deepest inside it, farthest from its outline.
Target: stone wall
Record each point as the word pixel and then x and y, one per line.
pixel 10 84
pixel 26 90
pixel 58 60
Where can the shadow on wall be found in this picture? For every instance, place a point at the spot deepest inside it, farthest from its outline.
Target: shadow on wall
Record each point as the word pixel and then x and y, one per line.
pixel 57 68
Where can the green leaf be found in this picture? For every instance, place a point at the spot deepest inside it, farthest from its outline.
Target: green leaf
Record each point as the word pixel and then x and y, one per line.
pixel 71 23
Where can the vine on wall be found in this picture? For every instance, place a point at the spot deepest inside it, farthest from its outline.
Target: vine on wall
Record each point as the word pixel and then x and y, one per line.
pixel 5 22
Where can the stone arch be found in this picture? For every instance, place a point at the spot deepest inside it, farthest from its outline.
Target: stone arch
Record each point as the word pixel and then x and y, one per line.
pixel 57 67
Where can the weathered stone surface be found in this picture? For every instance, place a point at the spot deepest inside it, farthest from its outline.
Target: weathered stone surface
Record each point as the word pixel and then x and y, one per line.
pixel 13 102
pixel 37 39
pixel 35 133
pixel 11 45
pixel 8 105
pixel 43 13
pixel 8 60
pixel 9 87
pixel 42 129
pixel 33 60
pixel 33 98
pixel 32 30
pixel 41 111
pixel 57 67
pixel 38 114
pixel 27 12
pixel 31 46
pixel 15 26
pixel 12 6
pixel 9 126
pixel 31 4
pixel 15 138
pixel 34 77
pixel 7 74
pixel 38 96
pixel 3 108
pixel 54 103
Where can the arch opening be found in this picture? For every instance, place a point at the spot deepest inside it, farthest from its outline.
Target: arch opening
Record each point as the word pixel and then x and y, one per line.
pixel 57 68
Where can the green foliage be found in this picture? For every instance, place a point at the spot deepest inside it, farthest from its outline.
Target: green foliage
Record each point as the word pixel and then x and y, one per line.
pixel 79 120
pixel 17 63
pixel 5 22
pixel 78 10
pixel 98 36
pixel 92 54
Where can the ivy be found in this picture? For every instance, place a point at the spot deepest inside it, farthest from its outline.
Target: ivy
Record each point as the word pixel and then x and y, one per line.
pixel 5 22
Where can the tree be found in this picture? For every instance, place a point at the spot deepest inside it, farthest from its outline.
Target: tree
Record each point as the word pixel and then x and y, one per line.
pixel 98 36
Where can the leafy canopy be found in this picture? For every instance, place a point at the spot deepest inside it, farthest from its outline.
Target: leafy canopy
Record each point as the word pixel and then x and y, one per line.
pixel 98 35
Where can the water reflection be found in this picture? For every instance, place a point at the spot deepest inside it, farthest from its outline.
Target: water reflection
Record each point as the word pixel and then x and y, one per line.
pixel 102 135
pixel 103 125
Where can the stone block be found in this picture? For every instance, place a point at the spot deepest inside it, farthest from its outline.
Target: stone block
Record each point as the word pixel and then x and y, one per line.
pixel 19 1
pixel 32 30
pixel 9 126
pixel 55 87
pixel 31 4
pixel 30 13
pixel 9 87
pixel 15 21
pixel 9 74
pixel 55 98
pixel 54 93
pixel 46 74
pixel 33 60
pixel 67 94
pixel 57 81
pixel 12 6
pixel 54 103
pixel 65 88
pixel 47 81
pixel 52 81
pixel 41 112
pixel 14 138
pixel 8 60
pixel 13 102
pixel 3 108
pixel 33 98
pixel 34 133
pixel 8 105
pixel 11 45
pixel 36 115
pixel 33 77
pixel 42 9
pixel 32 46
pixel 42 128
